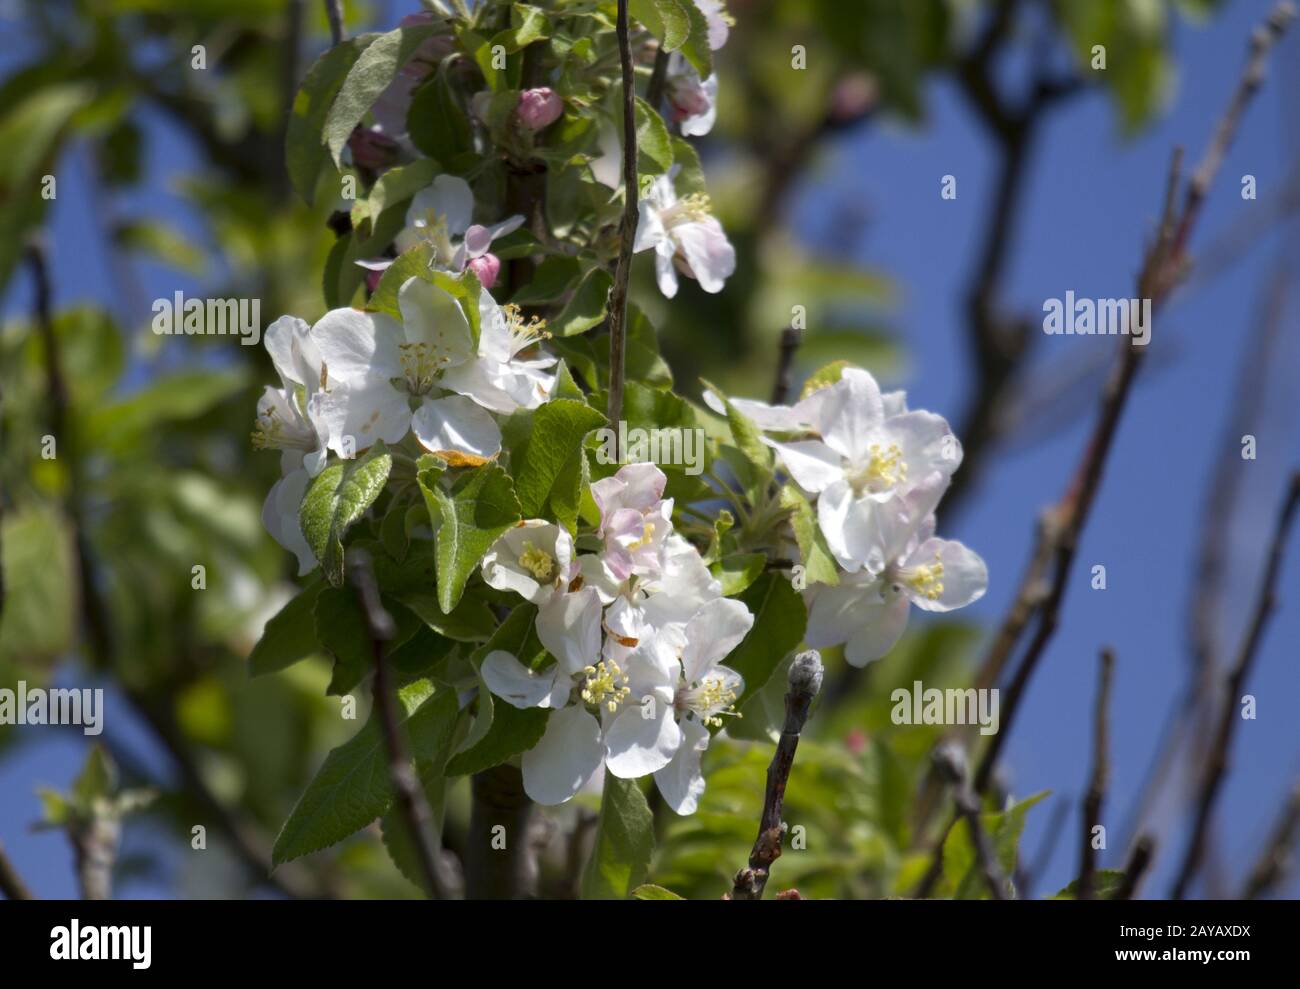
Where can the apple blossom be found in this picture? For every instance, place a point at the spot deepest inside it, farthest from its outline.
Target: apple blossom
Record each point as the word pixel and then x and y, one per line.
pixel 685 236
pixel 694 100
pixel 539 108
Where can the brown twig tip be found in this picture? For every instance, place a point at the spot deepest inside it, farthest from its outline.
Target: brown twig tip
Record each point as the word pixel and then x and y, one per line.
pixel 1096 795
pixel 11 883
pixel 1144 850
pixel 806 673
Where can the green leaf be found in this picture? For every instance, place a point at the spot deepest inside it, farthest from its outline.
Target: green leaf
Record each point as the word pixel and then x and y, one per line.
pixel 654 146
pixel 415 263
pixel 502 730
pixel 289 636
pixel 304 147
pixel 667 20
pixel 437 121
pixel 737 571
pixel 620 857
pixel 1106 883
pixel 375 67
pixel 586 308
pixel 779 621
pixel 815 556
pixel 542 444
pixel 395 186
pixel 343 633
pixel 756 467
pixel 961 874
pixel 354 787
pixel 336 499
pixel 652 892
pixel 480 505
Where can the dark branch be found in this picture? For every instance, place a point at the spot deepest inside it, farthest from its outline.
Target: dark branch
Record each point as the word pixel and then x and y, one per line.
pixel 1216 767
pixel 627 229
pixel 1275 860
pixel 11 884
pixel 1144 850
pixel 334 11
pixel 1096 795
pixel 410 798
pixel 805 681
pixel 790 340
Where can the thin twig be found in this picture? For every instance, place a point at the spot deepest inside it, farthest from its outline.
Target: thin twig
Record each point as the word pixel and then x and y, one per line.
pixel 654 92
pixel 1043 586
pixel 334 12
pixel 1096 795
pixel 1275 860
pixel 1027 879
pixel 1217 765
pixel 805 681
pixel 791 337
pixel 627 229
pixel 410 798
pixel 11 883
pixel 1144 850
pixel 950 764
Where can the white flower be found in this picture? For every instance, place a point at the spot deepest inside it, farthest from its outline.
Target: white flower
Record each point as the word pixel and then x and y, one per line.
pixel 280 517
pixel 864 458
pixel 868 610
pixel 694 100
pixel 685 236
pixel 442 216
pixel 678 692
pixel 288 417
pixel 388 377
pixel 571 749
pixel 635 519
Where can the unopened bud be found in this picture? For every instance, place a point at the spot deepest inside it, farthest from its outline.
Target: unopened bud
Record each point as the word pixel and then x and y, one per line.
pixel 539 108
pixel 487 267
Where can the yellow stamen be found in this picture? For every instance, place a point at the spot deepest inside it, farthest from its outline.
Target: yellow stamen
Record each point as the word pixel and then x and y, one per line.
pixel 927 580
pixel 537 562
pixel 605 684
pixel 647 534
pixel 884 470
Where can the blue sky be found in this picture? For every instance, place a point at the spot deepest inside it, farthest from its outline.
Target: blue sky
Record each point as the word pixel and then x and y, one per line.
pixel 1090 207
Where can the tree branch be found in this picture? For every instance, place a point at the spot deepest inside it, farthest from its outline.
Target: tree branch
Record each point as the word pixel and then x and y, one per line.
pixel 1096 795
pixel 334 12
pixel 410 798
pixel 805 681
pixel 1144 850
pixel 950 763
pixel 790 340
pixel 1216 768
pixel 627 229
pixel 1275 860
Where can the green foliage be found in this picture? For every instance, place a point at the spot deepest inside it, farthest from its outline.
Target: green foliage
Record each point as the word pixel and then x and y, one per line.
pixel 289 636
pixel 624 842
pixel 468 515
pixel 335 500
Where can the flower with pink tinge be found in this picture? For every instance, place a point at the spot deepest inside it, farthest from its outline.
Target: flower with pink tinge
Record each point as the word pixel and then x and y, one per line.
pixel 486 267
pixel 539 108
pixel 856 741
pixel 635 519
pixel 372 150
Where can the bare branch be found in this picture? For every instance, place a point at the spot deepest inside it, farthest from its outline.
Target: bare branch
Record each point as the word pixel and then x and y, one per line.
pixel 627 229
pixel 791 337
pixel 805 681
pixel 1096 795
pixel 1216 767
pixel 410 798
pixel 1275 860
pixel 950 762
pixel 334 11
pixel 1144 850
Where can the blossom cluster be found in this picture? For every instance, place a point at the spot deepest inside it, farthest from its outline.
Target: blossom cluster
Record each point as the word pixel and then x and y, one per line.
pixel 877 472
pixel 638 631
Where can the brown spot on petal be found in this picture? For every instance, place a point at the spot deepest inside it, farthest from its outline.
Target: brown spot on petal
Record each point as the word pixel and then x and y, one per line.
pixel 576 583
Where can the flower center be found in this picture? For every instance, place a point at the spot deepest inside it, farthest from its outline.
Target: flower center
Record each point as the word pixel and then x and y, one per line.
pixel 433 228
pixel 712 700
pixel 274 432
pixel 688 209
pixel 421 365
pixel 926 580
pixel 523 333
pixel 884 469
pixel 647 536
pixel 605 684
pixel 537 562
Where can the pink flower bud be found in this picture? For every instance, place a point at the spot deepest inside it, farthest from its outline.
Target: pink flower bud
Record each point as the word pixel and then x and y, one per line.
pixel 539 108
pixel 688 98
pixel 487 267
pixel 372 280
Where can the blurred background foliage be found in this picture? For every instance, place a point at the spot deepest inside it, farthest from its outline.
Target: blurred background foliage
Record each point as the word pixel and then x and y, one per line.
pixel 155 472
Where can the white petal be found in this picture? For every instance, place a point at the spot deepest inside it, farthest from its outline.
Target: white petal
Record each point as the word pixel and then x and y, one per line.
pixel 570 751
pixel 836 612
pixel 280 516
pixel 813 464
pixel 849 413
pixel 450 198
pixel 288 340
pixel 882 626
pixel 569 627
pixel 665 273
pixel 637 745
pixel 433 318
pixel 457 429
pixel 708 253
pixel 926 442
pixel 681 782
pixel 852 526
pixel 715 630
pixel 965 575
pixel 356 416
pixel 502 569
pixel 515 683
pixel 355 345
